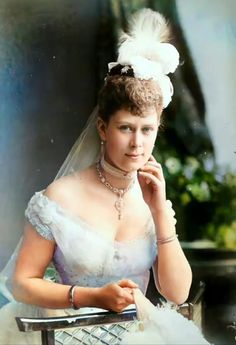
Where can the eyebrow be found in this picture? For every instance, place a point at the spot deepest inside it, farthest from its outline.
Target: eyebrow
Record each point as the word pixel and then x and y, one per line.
pixel 132 124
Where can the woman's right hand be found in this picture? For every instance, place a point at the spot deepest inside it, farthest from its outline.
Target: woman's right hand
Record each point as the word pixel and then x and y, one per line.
pixel 115 296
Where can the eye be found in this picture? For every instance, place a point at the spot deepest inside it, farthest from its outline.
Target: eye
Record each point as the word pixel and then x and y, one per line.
pixel 147 130
pixel 125 128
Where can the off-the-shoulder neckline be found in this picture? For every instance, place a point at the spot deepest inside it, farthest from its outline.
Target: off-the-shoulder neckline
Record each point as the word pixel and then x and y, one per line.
pixel 79 220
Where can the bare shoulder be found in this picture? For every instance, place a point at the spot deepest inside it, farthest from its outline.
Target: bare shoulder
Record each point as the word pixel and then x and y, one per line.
pixel 67 189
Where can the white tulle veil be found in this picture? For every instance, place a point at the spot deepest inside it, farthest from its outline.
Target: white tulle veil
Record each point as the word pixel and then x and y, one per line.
pixel 145 50
pixel 84 152
pixel 86 149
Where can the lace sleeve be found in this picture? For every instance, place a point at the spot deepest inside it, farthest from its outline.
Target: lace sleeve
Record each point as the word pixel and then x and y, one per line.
pixel 38 214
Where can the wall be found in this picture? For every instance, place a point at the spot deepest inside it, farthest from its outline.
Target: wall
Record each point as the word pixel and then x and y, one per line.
pixel 47 90
pixel 210 30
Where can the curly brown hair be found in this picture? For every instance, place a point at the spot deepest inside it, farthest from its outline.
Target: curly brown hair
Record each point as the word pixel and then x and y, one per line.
pixel 129 93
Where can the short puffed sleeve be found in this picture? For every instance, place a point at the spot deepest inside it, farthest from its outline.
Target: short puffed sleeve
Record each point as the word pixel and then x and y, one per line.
pixel 39 214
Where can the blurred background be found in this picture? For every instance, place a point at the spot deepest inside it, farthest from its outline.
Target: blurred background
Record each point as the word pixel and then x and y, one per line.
pixel 53 60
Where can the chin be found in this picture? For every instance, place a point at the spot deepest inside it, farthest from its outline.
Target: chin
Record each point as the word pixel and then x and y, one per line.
pixel 133 166
pixel 129 165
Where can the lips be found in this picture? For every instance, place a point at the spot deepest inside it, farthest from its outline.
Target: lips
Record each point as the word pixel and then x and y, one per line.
pixel 133 155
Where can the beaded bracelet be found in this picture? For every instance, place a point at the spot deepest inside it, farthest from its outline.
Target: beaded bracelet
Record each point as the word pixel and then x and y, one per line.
pixel 167 239
pixel 71 297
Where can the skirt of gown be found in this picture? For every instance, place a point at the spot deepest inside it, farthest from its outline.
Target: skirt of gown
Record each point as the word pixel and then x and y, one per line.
pixel 9 332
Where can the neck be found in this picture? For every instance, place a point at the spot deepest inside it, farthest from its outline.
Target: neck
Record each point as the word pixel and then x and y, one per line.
pixel 116 172
pixel 117 177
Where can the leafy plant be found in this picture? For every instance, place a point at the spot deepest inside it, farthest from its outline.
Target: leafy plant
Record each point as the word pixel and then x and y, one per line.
pixel 203 196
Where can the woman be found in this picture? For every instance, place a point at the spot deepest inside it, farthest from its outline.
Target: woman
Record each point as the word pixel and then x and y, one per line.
pixel 104 226
pixel 128 135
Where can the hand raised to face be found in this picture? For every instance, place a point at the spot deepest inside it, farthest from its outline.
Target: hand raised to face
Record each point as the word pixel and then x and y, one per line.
pixel 152 183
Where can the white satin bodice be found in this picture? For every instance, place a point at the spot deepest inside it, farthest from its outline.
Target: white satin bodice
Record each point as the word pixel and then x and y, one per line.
pixel 85 257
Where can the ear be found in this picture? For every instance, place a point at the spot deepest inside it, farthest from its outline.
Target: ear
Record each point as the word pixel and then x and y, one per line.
pixel 101 127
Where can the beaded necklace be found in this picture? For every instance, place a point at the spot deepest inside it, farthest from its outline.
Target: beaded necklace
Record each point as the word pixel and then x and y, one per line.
pixel 120 192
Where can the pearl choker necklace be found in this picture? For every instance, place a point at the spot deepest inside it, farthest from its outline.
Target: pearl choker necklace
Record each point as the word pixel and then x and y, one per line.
pixel 115 171
pixel 120 192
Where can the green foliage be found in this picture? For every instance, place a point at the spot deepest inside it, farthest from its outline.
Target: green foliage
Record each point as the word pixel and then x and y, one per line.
pixel 203 196
pixel 51 274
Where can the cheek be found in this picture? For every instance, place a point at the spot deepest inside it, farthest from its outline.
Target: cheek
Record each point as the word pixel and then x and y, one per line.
pixel 113 145
pixel 151 142
pixel 116 141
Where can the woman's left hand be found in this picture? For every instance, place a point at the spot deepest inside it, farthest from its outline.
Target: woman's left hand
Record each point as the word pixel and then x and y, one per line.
pixel 152 183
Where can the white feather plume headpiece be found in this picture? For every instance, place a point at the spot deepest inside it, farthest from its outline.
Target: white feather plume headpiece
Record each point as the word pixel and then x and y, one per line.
pixel 144 47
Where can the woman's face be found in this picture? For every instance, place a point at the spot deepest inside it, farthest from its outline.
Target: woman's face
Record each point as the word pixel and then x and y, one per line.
pixel 129 139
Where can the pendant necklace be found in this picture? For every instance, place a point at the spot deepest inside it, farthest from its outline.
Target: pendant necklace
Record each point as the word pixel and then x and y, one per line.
pixel 120 192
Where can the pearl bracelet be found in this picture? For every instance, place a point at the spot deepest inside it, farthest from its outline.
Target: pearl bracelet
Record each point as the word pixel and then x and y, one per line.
pixel 167 239
pixel 71 297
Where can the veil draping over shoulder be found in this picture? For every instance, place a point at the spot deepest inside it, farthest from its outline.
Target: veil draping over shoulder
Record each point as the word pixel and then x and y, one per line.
pixel 6 274
pixel 84 152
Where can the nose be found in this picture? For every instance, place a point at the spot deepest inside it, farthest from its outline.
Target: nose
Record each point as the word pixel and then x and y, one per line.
pixel 136 139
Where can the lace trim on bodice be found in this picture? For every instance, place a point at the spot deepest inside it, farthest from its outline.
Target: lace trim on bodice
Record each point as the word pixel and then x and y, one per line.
pixel 41 212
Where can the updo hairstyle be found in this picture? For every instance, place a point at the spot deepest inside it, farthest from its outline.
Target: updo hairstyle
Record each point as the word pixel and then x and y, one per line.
pixel 128 93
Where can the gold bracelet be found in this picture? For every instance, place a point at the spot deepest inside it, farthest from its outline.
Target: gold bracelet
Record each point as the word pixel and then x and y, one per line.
pixel 71 297
pixel 167 239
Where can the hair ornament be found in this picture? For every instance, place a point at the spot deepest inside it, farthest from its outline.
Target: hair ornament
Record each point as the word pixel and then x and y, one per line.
pixel 116 68
pixel 144 47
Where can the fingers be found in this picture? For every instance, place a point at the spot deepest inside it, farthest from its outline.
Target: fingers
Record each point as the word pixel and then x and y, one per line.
pixel 127 283
pixel 127 286
pixel 116 296
pixel 148 178
pixel 154 169
pixel 129 290
pixel 128 295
